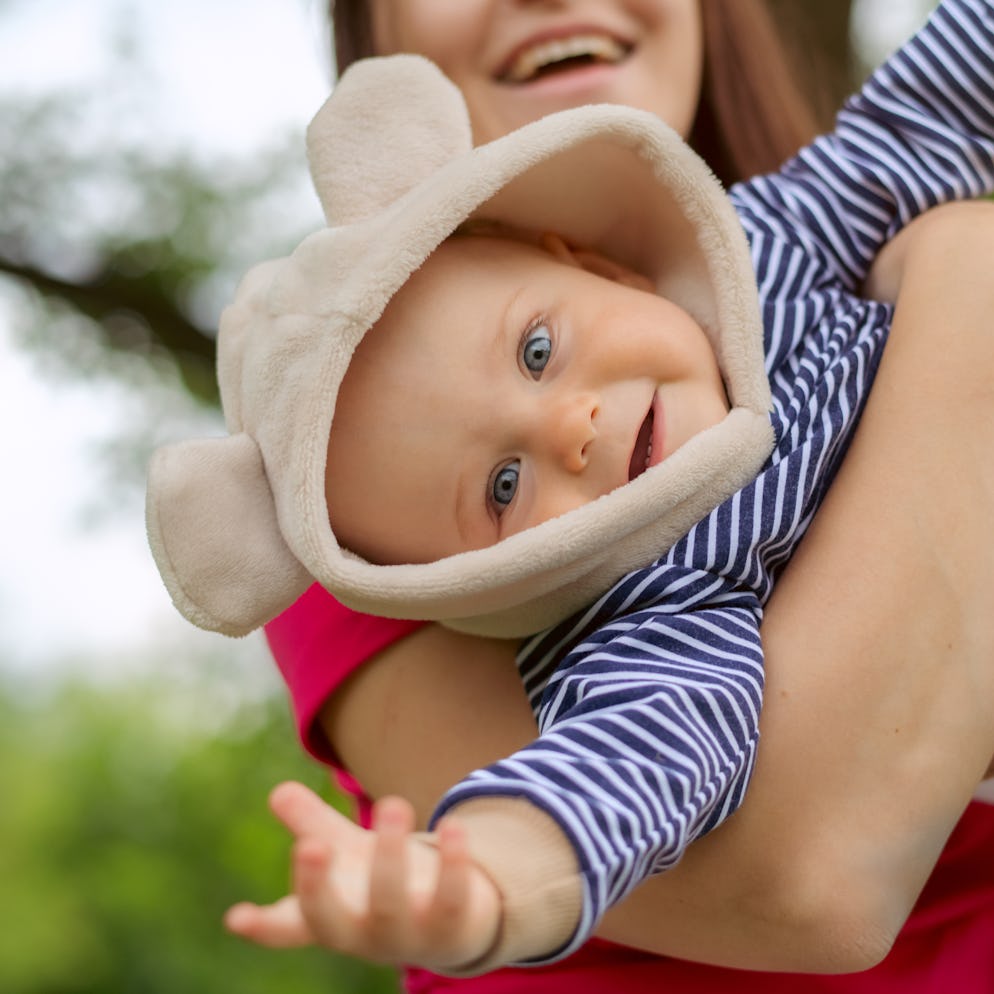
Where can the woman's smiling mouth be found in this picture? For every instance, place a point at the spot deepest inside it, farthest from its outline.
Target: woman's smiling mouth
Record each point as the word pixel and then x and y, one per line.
pixel 536 60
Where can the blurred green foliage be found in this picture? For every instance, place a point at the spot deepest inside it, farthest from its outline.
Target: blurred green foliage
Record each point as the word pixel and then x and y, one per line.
pixel 133 811
pixel 127 830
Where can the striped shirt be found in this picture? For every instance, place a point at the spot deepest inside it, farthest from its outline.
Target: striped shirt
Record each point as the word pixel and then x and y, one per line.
pixel 648 702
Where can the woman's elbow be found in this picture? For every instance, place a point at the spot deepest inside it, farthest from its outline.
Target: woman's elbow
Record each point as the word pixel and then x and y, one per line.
pixel 836 922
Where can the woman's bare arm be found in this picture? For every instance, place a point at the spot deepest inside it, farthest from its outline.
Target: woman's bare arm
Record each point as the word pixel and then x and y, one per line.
pixel 426 711
pixel 879 643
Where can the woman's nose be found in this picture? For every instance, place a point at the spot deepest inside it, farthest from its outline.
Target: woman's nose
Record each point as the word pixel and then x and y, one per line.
pixel 570 427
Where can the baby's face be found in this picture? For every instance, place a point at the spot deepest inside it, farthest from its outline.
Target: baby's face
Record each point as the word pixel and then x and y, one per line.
pixel 507 384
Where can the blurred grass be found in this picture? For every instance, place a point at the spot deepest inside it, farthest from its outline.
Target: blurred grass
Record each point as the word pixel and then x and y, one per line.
pixel 125 835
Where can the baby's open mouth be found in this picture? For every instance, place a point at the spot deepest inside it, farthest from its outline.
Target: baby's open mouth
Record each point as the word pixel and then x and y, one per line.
pixel 642 452
pixel 562 54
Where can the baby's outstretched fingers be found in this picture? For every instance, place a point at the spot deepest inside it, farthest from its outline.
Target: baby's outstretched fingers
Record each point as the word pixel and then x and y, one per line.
pixel 392 894
pixel 304 813
pixel 332 906
pixel 279 925
pixel 452 891
pixel 385 893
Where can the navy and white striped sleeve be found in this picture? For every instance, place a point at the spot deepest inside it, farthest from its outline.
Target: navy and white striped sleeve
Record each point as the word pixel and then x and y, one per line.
pixel 920 133
pixel 648 739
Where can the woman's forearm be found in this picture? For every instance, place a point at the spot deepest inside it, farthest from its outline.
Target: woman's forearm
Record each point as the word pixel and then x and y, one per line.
pixel 426 711
pixel 879 640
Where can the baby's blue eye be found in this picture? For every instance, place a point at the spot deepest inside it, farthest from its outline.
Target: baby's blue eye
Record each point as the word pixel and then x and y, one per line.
pixel 505 485
pixel 536 349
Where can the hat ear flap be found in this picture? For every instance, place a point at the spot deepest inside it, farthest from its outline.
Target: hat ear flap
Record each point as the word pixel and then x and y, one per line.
pixel 214 533
pixel 390 124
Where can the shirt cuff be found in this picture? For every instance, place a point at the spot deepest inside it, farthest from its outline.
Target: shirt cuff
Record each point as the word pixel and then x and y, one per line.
pixel 531 862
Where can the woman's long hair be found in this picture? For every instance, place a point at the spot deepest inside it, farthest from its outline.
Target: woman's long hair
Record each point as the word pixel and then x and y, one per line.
pixel 754 112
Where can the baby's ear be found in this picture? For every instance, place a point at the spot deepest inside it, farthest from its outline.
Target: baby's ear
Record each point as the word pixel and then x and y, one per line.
pixel 213 530
pixel 593 262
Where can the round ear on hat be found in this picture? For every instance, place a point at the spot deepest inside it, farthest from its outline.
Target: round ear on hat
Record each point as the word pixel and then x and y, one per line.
pixel 214 534
pixel 356 172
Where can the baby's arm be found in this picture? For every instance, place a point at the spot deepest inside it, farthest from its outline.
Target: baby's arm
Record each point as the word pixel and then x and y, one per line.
pixel 920 133
pixel 664 767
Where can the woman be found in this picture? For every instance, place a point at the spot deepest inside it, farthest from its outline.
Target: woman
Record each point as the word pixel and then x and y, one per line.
pixel 736 898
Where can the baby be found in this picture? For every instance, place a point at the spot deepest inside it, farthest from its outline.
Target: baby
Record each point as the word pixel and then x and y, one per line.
pixel 572 431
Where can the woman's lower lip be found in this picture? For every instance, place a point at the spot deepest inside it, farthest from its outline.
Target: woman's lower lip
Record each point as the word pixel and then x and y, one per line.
pixel 570 84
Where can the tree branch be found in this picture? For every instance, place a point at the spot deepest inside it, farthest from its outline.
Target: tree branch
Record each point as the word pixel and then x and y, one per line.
pixel 110 294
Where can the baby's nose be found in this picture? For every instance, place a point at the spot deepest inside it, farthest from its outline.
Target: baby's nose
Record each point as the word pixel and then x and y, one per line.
pixel 571 427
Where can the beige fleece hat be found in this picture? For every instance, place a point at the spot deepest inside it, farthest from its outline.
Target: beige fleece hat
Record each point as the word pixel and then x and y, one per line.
pixel 239 525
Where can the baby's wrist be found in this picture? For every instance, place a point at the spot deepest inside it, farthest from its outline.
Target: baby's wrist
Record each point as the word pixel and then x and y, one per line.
pixel 531 865
pixel 483 916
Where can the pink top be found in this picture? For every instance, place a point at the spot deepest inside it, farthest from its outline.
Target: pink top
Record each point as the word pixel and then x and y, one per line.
pixel 946 945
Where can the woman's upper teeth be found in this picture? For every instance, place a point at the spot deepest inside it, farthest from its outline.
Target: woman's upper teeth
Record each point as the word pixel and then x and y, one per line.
pixel 600 48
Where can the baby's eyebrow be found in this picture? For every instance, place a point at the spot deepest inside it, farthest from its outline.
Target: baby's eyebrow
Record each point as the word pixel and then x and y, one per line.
pixel 508 331
pixel 462 511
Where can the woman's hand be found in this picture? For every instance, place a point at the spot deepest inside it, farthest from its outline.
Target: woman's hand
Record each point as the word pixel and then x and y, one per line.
pixel 382 894
pixel 887 272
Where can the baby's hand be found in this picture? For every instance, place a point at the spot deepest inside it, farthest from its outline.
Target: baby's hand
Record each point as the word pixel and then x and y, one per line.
pixel 382 894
